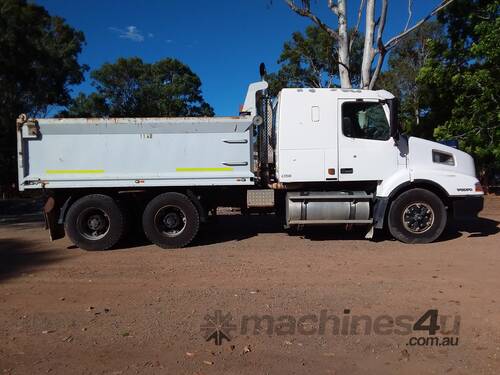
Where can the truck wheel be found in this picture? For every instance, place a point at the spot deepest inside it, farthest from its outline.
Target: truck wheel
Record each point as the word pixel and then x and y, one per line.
pixel 95 222
pixel 171 220
pixel 417 216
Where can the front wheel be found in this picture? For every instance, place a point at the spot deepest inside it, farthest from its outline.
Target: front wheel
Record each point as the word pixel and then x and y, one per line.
pixel 171 220
pixel 417 216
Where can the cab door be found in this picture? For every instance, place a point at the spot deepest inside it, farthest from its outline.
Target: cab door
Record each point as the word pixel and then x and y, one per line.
pixel 366 150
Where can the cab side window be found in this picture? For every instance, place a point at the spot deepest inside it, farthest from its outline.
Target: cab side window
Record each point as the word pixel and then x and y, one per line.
pixel 365 120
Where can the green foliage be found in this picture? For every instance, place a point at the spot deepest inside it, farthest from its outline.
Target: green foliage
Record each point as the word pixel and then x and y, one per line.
pixel 38 62
pixel 132 88
pixel 405 62
pixel 462 80
pixel 311 60
pixel 93 105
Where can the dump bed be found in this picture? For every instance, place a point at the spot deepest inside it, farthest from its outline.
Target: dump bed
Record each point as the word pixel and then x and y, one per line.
pixel 131 152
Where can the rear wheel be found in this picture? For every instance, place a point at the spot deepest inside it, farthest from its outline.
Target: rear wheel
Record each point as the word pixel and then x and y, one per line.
pixel 95 222
pixel 171 220
pixel 417 216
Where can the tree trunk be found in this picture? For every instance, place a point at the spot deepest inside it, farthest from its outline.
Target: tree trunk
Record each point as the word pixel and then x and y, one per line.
pixel 343 43
pixel 368 46
pixel 342 36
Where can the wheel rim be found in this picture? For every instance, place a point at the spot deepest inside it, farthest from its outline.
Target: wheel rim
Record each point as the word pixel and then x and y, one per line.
pixel 93 223
pixel 170 221
pixel 418 217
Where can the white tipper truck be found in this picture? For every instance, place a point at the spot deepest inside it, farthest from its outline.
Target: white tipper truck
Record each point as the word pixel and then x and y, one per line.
pixel 312 156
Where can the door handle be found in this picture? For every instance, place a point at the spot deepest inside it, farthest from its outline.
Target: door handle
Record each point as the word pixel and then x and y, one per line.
pixel 235 141
pixel 235 163
pixel 346 170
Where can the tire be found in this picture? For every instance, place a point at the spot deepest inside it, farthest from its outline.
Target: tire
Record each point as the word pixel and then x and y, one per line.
pixel 95 222
pixel 417 216
pixel 171 220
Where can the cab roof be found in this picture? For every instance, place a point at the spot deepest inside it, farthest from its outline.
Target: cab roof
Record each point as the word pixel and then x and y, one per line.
pixel 342 93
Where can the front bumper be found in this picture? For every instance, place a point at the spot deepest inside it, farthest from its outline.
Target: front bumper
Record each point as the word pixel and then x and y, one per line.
pixel 467 207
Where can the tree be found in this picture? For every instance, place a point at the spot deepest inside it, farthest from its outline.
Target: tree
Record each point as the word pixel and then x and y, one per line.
pixel 462 81
pixel 310 60
pixel 373 44
pixel 132 88
pixel 38 63
pixel 404 64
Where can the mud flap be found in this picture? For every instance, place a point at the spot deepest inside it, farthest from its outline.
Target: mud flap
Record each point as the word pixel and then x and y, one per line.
pixel 51 214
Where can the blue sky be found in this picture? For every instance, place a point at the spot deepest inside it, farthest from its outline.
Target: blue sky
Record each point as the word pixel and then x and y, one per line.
pixel 223 41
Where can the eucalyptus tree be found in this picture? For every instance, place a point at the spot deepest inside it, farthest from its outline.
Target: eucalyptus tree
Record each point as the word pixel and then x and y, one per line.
pixel 374 45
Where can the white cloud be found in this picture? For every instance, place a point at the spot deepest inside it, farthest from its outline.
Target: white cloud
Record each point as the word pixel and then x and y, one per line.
pixel 151 35
pixel 130 32
pixel 169 41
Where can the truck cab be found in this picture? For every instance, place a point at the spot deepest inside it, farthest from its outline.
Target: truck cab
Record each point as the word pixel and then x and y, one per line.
pixel 335 135
pixel 349 140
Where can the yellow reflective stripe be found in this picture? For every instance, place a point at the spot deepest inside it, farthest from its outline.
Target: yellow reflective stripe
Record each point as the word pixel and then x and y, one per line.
pixel 224 169
pixel 73 171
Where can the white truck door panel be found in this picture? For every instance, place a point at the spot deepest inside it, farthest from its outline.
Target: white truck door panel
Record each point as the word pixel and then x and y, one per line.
pixel 363 159
pixel 307 140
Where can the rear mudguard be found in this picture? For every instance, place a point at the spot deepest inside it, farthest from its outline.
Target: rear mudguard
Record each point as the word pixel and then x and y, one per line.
pixel 51 213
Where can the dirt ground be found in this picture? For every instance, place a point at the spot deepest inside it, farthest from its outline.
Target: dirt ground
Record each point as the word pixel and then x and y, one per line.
pixel 139 309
